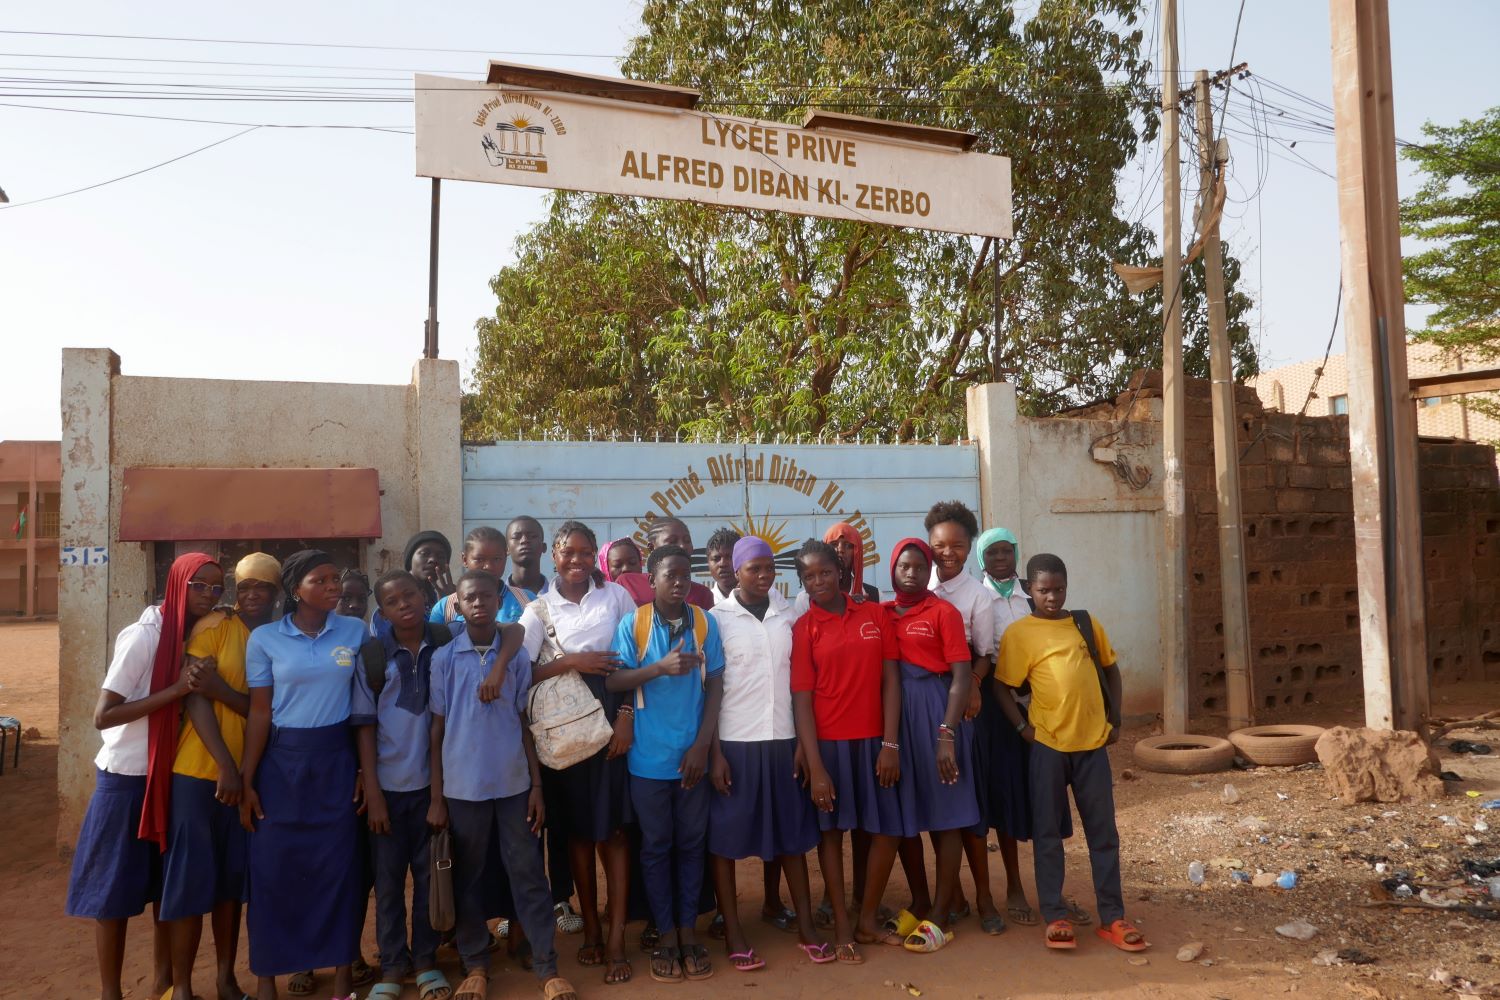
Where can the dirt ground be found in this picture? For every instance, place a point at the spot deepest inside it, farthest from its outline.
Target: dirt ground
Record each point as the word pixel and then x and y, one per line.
pixel 1283 820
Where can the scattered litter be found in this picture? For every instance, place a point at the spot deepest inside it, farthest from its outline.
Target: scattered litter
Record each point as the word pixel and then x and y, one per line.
pixel 1287 880
pixel 1291 970
pixel 1190 951
pixel 1390 814
pixel 1282 796
pixel 1230 795
pixel 1264 880
pixel 1448 820
pixel 1491 804
pixel 1239 877
pixel 1493 885
pixel 908 987
pixel 1480 826
pixel 1467 746
pixel 1327 957
pixel 1472 794
pixel 1195 873
pixel 1254 824
pixel 1298 930
pixel 1380 867
pixel 1207 963
pixel 1134 960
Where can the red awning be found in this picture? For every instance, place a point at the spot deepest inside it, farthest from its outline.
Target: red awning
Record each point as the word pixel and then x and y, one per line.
pixel 164 505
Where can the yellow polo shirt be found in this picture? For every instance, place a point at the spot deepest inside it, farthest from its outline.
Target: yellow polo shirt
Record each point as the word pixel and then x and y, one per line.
pixel 225 641
pixel 1067 707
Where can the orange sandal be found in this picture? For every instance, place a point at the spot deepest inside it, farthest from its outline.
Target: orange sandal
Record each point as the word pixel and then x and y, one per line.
pixel 1120 933
pixel 1060 935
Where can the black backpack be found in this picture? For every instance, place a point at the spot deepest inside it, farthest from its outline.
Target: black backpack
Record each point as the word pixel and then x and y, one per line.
pixel 373 654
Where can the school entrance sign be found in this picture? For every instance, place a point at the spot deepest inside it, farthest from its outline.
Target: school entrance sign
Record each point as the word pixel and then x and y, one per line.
pixel 544 128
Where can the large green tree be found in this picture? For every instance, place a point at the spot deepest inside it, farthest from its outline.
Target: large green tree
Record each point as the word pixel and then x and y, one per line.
pixel 1456 214
pixel 636 316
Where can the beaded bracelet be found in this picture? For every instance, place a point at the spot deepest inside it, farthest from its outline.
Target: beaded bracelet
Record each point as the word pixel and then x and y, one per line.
pixel 887 745
pixel 943 727
pixel 626 710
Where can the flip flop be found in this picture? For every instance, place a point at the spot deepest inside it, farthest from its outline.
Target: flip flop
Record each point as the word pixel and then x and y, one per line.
pixel 385 990
pixel 819 954
pixel 591 955
pixel 1076 913
pixel 785 920
pixel 666 965
pixel 613 976
pixel 848 954
pixel 992 924
pixel 696 963
pixel 747 961
pixel 1057 943
pixel 302 984
pixel 927 938
pixel 1022 915
pixel 428 983
pixel 1118 934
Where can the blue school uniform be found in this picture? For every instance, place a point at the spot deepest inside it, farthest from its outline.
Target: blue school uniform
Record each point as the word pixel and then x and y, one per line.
pixel 305 867
pixel 673 819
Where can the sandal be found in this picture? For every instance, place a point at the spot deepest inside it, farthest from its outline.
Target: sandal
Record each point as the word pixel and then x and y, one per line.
pixel 558 988
pixel 746 961
pixel 1060 935
pixel 666 965
pixel 785 920
pixel 302 984
pixel 568 920
pixel 820 954
pixel 429 985
pixel 360 972
pixel 823 915
pixel 716 927
pixel 696 963
pixel 1022 915
pixel 963 912
pixel 927 938
pixel 619 972
pixel 993 924
pixel 385 990
pixel 1124 936
pixel 476 986
pixel 650 937
pixel 591 955
pixel 899 927
pixel 848 954
pixel 1076 913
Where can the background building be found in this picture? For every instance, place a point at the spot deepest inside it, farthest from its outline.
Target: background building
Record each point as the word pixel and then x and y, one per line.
pixel 30 477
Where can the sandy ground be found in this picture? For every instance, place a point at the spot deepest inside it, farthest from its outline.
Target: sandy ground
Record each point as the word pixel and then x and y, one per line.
pixel 1166 822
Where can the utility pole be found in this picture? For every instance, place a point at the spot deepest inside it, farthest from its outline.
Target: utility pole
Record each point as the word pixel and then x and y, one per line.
pixel 1236 609
pixel 1382 423
pixel 1174 687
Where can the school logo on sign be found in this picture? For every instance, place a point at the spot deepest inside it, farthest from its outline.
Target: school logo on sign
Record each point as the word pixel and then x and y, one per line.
pixel 514 129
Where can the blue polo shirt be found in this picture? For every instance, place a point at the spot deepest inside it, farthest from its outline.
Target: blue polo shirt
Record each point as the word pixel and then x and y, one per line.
pixel 312 678
pixel 510 608
pixel 667 725
pixel 482 753
pixel 400 716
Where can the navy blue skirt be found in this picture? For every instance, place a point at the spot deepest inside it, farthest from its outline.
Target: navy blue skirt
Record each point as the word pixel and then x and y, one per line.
pixel 591 799
pixel 206 851
pixel 767 812
pixel 860 803
pixel 305 869
pixel 927 803
pixel 115 873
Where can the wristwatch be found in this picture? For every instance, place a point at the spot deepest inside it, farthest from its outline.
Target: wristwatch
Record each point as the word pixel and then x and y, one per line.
pixel 1021 726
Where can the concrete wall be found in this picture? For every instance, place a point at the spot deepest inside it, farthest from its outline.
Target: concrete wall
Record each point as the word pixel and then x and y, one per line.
pixel 1065 486
pixel 111 422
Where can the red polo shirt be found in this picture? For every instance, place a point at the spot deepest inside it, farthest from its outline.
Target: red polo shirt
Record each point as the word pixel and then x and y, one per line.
pixel 840 659
pixel 931 635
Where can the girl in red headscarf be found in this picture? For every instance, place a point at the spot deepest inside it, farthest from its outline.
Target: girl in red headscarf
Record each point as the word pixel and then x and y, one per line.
pixel 115 872
pixel 850 546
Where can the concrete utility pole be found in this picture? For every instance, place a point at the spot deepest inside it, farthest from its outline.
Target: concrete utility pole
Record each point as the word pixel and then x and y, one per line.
pixel 1236 608
pixel 1382 423
pixel 1174 687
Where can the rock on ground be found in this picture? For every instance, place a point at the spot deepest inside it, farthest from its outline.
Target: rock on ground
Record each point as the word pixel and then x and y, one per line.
pixel 1370 765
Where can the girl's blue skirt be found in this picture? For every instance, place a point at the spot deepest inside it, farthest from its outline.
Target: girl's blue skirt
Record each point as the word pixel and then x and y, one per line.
pixel 767 812
pixel 115 873
pixel 927 803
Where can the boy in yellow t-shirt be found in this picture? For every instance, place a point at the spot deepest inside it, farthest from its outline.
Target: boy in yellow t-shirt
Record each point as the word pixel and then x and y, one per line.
pixel 1074 715
pixel 203 869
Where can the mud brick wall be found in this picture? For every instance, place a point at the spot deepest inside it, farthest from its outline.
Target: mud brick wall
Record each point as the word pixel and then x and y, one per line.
pixel 1299 553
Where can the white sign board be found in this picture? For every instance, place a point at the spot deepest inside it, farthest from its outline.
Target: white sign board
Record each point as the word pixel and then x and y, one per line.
pixel 472 131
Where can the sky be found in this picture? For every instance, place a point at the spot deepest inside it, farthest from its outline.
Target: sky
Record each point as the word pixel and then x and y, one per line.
pixel 301 253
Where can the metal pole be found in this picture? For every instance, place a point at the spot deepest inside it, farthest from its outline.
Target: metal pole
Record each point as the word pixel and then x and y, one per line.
pixel 1236 606
pixel 1382 427
pixel 430 344
pixel 1174 436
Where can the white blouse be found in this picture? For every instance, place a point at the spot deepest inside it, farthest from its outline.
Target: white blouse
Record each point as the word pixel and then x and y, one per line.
pixel 587 626
pixel 757 702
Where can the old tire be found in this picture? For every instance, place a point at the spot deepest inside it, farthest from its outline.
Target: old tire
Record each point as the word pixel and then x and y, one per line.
pixel 1277 746
pixel 1182 754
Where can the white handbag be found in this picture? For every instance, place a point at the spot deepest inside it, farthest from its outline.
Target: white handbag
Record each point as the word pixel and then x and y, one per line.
pixel 568 724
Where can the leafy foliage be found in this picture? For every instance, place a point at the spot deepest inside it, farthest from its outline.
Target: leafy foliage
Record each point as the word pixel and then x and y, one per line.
pixel 652 317
pixel 1457 213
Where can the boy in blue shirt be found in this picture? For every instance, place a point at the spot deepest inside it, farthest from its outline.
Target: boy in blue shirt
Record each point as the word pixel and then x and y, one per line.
pixel 486 778
pixel 677 675
pixel 393 727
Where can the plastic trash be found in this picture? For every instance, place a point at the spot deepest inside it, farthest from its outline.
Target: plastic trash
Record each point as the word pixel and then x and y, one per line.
pixel 1195 873
pixel 1231 795
pixel 1403 892
pixel 1493 885
pixel 1491 804
pixel 1240 877
pixel 1287 880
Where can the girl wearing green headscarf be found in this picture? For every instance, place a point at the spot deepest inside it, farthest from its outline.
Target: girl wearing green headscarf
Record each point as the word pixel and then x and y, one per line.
pixel 998 553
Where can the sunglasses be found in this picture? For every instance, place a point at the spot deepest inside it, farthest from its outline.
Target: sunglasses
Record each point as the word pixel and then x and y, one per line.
pixel 214 590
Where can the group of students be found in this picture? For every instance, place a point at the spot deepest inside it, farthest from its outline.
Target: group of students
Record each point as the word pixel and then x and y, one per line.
pixel 298 763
